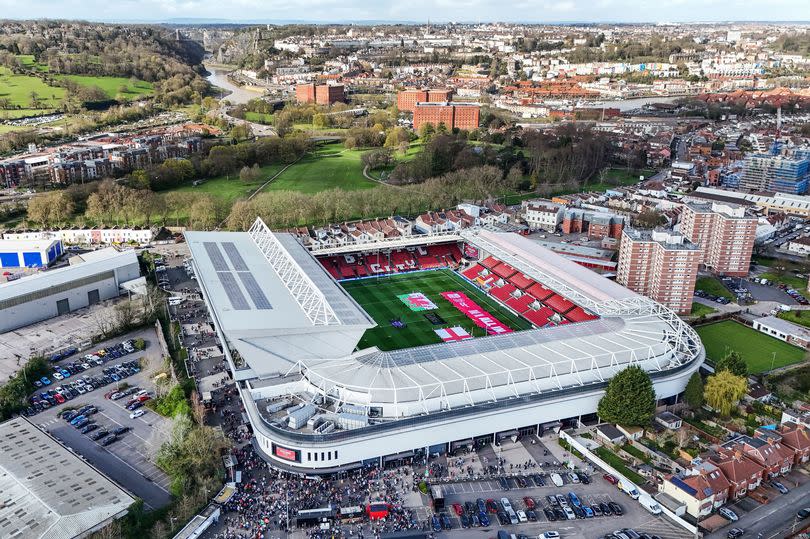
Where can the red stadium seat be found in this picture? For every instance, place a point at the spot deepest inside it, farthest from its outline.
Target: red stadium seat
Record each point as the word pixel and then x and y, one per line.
pixel 559 303
pixel 504 270
pixel 490 262
pixel 578 314
pixel 472 272
pixel 521 281
pixel 539 291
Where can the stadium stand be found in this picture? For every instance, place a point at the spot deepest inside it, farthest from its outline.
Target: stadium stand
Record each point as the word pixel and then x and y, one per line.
pixel 530 299
pixel 352 266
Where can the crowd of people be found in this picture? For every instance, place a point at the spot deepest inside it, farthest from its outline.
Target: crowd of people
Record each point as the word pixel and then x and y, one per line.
pixel 268 501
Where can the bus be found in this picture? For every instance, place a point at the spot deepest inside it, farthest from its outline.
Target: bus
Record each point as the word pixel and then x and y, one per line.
pixel 438 498
pixel 377 510
pixel 351 515
pixel 321 516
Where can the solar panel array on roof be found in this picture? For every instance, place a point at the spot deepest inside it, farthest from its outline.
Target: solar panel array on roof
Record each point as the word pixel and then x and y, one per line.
pixel 253 290
pixel 683 486
pixel 235 295
pixel 215 255
pixel 237 261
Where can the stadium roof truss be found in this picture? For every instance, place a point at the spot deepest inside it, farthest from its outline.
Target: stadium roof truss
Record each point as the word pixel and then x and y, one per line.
pixel 304 291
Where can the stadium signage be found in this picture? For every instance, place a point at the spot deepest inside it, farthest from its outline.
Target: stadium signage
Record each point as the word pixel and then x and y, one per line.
pixel 479 316
pixel 286 454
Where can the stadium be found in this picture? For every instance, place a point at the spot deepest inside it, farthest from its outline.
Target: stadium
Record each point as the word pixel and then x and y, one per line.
pixel 354 354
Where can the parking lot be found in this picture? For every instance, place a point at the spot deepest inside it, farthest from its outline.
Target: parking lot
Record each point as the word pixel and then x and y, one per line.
pixel 542 457
pixel 129 460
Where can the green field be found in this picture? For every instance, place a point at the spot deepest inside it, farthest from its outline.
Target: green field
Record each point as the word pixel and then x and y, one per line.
pixel 325 168
pixel 111 85
pixel 801 318
pixel 230 188
pixel 698 309
pixel 17 89
pixel 757 349
pixel 259 118
pixel 379 298
pixel 792 281
pixel 713 286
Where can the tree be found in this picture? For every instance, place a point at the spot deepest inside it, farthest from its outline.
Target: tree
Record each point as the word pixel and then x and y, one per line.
pixel 733 362
pixel 629 398
pixel 649 218
pixel 724 390
pixel 426 130
pixel 693 394
pixel 51 208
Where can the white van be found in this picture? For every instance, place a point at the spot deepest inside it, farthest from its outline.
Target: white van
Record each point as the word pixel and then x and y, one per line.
pixel 628 489
pixel 557 480
pixel 175 300
pixel 650 504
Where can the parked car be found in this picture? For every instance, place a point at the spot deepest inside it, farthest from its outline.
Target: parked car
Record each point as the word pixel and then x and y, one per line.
pixel 529 502
pixel 616 508
pixel 728 514
pixel 780 487
pixel 612 479
pixel 803 513
pixel 136 414
pixel 120 430
pixel 483 519
pixel 734 533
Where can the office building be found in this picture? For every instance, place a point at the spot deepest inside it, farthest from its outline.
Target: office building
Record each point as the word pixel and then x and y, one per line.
pixel 407 99
pixel 661 265
pixel 597 225
pixel 452 115
pixel 725 234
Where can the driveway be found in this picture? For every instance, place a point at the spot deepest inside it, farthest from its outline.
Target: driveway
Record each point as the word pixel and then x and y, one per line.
pixel 777 518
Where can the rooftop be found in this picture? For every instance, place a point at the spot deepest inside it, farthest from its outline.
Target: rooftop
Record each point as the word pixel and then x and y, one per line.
pixel 47 491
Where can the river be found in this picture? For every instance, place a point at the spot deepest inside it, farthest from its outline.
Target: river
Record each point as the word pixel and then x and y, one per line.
pixel 235 94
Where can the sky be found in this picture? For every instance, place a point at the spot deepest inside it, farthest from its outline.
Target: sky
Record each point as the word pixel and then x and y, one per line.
pixel 412 10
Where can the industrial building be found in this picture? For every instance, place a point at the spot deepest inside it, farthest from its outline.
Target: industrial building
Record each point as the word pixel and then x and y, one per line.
pixel 322 94
pixel 29 253
pixel 50 492
pixel 98 276
pixel 318 403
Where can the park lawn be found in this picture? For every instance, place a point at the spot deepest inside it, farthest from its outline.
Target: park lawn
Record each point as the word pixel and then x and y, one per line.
pixel 715 287
pixel 378 296
pixel 626 177
pixel 230 188
pixel 327 167
pixel 18 88
pixel 259 118
pixel 110 85
pixel 698 309
pixel 28 62
pixel 757 349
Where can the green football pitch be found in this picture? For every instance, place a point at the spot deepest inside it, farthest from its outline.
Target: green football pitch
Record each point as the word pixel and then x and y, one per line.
pixel 378 296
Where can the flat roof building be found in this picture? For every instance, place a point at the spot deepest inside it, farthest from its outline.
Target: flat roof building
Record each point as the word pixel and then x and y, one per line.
pixel 407 99
pixel 53 293
pixel 660 264
pixel 47 491
pixel 29 253
pixel 452 115
pixel 725 234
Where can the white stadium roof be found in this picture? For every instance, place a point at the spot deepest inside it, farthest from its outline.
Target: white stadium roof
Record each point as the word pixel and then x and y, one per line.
pixel 631 330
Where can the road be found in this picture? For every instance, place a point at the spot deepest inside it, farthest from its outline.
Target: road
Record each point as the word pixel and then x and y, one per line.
pixel 774 520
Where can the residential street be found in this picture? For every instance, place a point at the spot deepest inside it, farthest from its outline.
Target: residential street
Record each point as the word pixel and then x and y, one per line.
pixel 776 519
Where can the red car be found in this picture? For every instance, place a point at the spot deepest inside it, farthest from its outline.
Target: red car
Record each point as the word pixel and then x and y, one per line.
pixel 529 502
pixel 143 398
pixel 458 509
pixel 492 507
pixel 610 479
pixel 59 398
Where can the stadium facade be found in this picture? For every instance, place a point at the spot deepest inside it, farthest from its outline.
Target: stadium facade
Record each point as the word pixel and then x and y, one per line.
pixel 318 404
